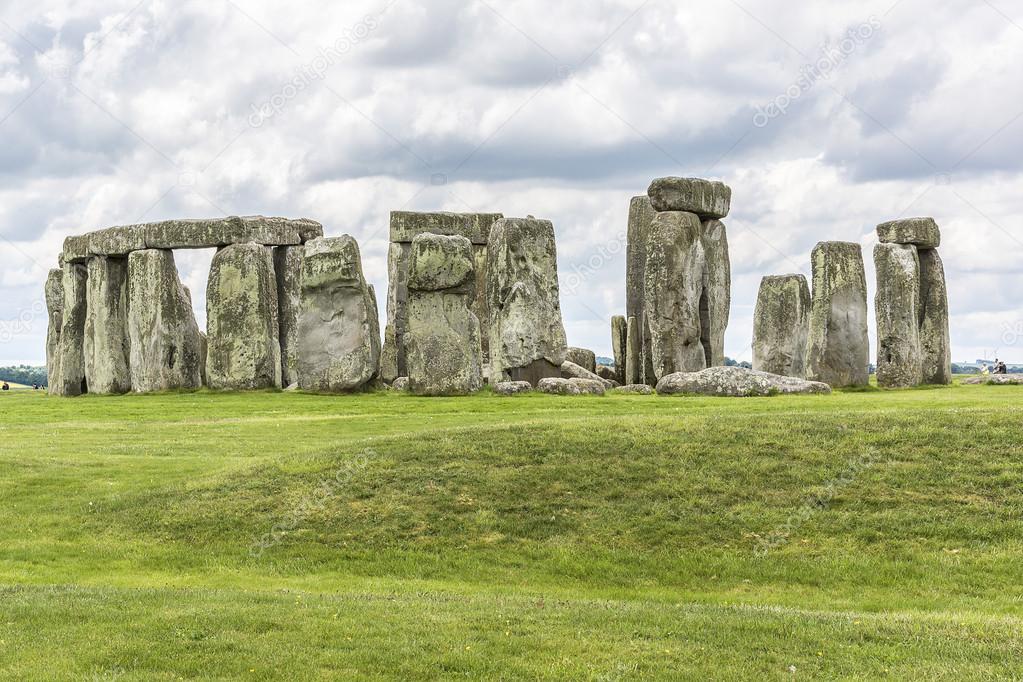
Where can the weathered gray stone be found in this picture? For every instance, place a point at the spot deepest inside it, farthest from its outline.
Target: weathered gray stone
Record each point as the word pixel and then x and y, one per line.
pixel 641 217
pixel 242 324
pixel 556 386
pixel 107 346
pixel 116 241
pixel 994 380
pixel 512 387
pixel 935 341
pixel 288 269
pixel 619 345
pixel 70 380
pixel 716 302
pixel 339 331
pixel 389 356
pixel 897 306
pixel 405 226
pixel 570 370
pixel 55 319
pixel 781 325
pixel 633 353
pixel 736 382
pixel 674 285
pixel 635 389
pixel 705 198
pixel 443 349
pixel 400 384
pixel 838 350
pixel 921 232
pixel 527 334
pixel 608 374
pixel 76 250
pixel 219 232
pixel 583 357
pixel 166 349
pixel 204 351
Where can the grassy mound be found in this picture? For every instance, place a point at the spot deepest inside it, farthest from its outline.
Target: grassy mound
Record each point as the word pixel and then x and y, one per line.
pixel 273 535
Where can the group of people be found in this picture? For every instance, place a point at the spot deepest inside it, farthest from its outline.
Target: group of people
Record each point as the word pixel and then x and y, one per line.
pixel 997 368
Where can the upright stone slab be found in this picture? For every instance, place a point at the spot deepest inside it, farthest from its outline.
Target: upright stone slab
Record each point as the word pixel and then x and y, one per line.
pixel 935 341
pixel 674 284
pixel 641 217
pixel 405 227
pixel 781 326
pixel 708 199
pixel 442 341
pixel 527 333
pixel 838 349
pixel 242 323
pixel 633 354
pixel 107 347
pixel 288 269
pixel 389 356
pixel 55 316
pixel 897 307
pixel 716 302
pixel 166 350
pixel 70 368
pixel 339 331
pixel 619 346
pixel 583 357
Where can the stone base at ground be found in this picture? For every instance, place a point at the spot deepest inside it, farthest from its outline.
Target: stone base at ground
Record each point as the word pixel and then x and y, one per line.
pixel 635 389
pixel 996 379
pixel 736 382
pixel 512 387
pixel 571 387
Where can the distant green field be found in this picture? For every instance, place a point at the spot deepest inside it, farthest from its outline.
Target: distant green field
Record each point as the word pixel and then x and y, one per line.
pixel 288 536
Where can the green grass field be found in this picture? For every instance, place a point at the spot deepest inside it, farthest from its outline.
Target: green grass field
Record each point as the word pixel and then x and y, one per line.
pixel 288 536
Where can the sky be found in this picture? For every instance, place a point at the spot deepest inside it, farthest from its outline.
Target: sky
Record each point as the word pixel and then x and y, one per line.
pixel 825 118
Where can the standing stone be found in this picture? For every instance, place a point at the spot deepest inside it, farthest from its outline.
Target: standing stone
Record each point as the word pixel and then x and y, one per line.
pixel 107 347
pixel 288 269
pixel 781 325
pixel 442 342
pixel 339 337
pixel 935 341
pixel 70 380
pixel 838 349
pixel 583 357
pixel 716 303
pixel 674 285
pixel 641 217
pixel 242 324
pixel 633 354
pixel 897 306
pixel 166 350
pixel 55 315
pixel 527 334
pixel 619 345
pixel 405 226
pixel 389 356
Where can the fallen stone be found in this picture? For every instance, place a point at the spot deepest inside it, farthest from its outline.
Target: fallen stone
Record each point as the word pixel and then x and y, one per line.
pixel 107 346
pixel 400 384
pixel 554 386
pixel 512 387
pixel 570 370
pixel 707 199
pixel 674 285
pixel 70 380
pixel 838 349
pixel 619 345
pixel 897 306
pixel 54 294
pixel 635 389
pixel 243 329
pixel 920 232
pixel 995 380
pixel 586 359
pixel 736 382
pixel 339 330
pixel 608 374
pixel 716 303
pixel 443 349
pixel 288 271
pixel 935 340
pixel 781 325
pixel 527 333
pixel 166 348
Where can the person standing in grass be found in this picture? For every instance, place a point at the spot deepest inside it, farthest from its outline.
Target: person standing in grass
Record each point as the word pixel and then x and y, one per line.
pixel 7 386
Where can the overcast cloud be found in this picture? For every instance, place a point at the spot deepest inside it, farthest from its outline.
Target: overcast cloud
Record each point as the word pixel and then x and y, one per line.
pixel 826 118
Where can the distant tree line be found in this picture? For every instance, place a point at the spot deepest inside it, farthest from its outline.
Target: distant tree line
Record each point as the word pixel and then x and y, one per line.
pixel 24 374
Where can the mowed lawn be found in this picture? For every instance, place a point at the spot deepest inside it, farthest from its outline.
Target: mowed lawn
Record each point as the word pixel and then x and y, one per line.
pixel 289 536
